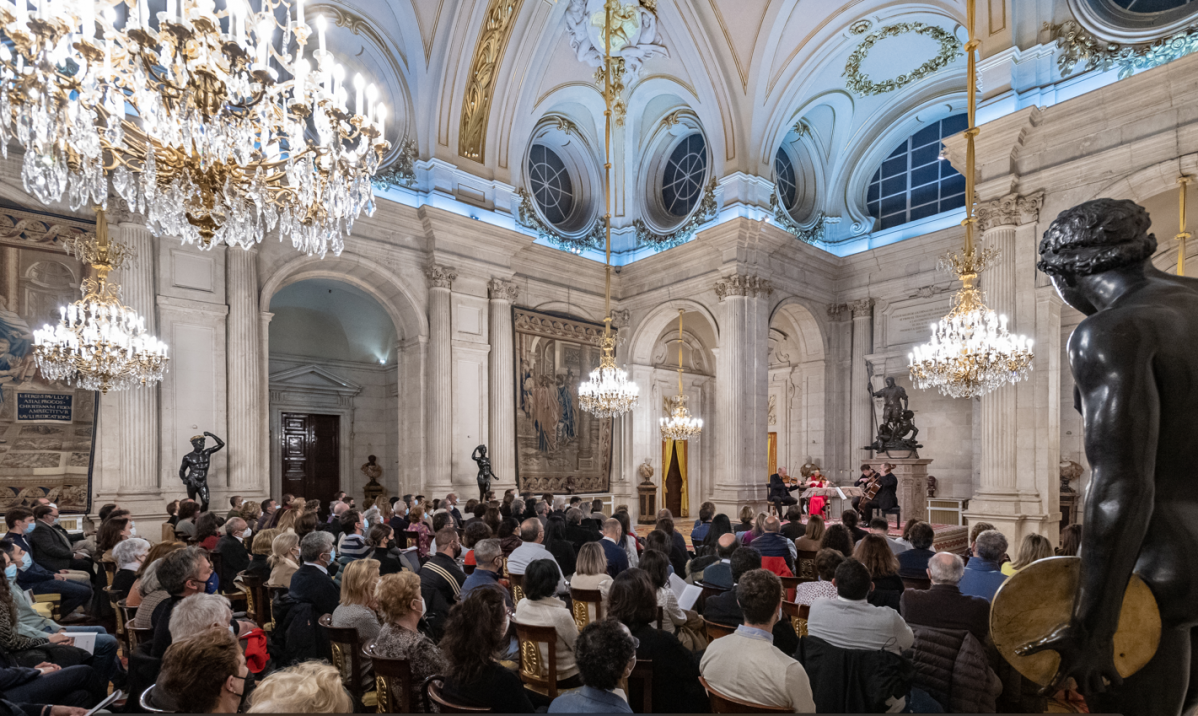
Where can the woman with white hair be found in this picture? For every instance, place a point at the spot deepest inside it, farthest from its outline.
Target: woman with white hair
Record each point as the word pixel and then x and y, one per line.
pixel 199 613
pixel 128 555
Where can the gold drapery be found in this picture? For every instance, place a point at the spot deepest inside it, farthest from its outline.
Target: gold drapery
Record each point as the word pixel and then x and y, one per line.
pixel 772 456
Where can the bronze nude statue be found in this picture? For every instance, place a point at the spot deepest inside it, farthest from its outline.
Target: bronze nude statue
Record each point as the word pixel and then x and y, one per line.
pixel 485 476
pixel 1133 360
pixel 194 470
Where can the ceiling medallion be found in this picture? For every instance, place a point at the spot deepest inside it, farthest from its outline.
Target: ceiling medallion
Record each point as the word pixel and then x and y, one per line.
pixel 860 27
pixel 861 84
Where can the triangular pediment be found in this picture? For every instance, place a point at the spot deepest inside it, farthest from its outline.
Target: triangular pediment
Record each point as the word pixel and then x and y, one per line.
pixel 312 379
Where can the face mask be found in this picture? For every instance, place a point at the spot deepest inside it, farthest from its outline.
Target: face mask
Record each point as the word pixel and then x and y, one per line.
pixel 210 585
pixel 30 527
pixel 132 529
pixel 26 560
pixel 11 571
pixel 248 531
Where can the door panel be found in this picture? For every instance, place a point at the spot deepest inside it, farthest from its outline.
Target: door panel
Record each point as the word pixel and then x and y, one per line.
pixel 311 455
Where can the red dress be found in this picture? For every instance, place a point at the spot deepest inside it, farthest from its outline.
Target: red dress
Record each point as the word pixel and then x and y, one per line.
pixel 817 504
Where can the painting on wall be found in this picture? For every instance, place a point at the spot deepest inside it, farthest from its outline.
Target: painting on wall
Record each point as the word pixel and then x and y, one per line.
pixel 560 448
pixel 47 429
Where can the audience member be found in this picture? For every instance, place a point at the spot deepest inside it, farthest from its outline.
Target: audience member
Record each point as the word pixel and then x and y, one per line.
pixel 28 688
pixel 656 566
pixel 874 552
pixel 250 512
pixel 812 536
pixel 182 574
pixel 311 583
pixel 36 578
pixel 172 512
pixel 217 688
pixel 905 539
pixel 53 548
pixel 703 524
pixel 746 520
pixel 352 544
pixel 578 532
pixel 632 545
pixel 488 555
pixel 597 513
pixel 591 574
pixel 379 542
pixel 540 607
pixel 284 559
pixel 850 519
pixel 826 562
pixel 312 687
pixel 719 574
pixel 605 654
pixel 260 554
pixel 746 665
pixel 983 575
pixel 720 526
pixel 1071 541
pixel 305 523
pixel 839 538
pixel 401 607
pixel 1034 548
pixel 943 606
pixel 677 553
pixel 613 547
pixel 269 506
pixel 794 529
pixel 146 582
pixel 509 535
pixel 186 524
pixel 775 549
pixel 234 507
pixel 234 557
pixel 424 534
pixel 532 549
pixel 207 531
pixel 128 556
pixel 357 608
pixel 879 526
pixel 726 609
pixel 441 579
pixel 977 529
pixel 476 630
pixel 756 531
pixel 199 613
pixel 676 686
pixel 555 541
pixel 851 622
pixel 913 562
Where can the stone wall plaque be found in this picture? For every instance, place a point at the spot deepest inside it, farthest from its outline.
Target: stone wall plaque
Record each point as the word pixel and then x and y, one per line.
pixel 910 322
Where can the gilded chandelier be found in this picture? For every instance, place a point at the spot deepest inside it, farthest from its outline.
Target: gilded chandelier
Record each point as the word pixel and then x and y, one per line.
pixel 201 119
pixel 98 343
pixel 971 353
pixel 608 392
pixel 680 425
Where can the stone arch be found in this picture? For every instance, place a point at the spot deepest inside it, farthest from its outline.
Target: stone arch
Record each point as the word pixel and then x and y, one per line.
pixel 1149 181
pixel 650 327
pixel 799 381
pixel 810 333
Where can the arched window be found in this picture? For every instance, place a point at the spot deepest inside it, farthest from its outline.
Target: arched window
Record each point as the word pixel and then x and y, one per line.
pixel 784 178
pixel 913 182
pixel 550 182
pixel 682 181
pixel 1147 7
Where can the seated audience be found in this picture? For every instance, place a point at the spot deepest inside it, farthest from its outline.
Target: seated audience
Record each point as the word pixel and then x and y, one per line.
pixel 983 574
pixel 1034 548
pixel 1071 541
pixel 473 533
pixel 129 556
pixel 774 548
pixel 477 629
pixel 235 503
pixel 199 613
pixel 597 513
pixel 746 520
pixel 488 556
pixel 703 524
pixel 605 654
pixel 851 622
pixel 977 529
pixel 311 583
pixel 531 549
pixel 33 576
pixel 826 562
pixel 814 532
pixel 250 512
pixel 234 557
pixel 726 609
pixel 676 687
pixel 400 606
pixel 26 689
pixel 284 559
pixel 677 553
pixel 943 606
pixel 874 552
pixel 839 538
pixel 613 547
pixel 879 526
pixel 186 524
pixel 720 526
pixel 656 565
pixel 719 574
pixel 850 520
pixel 305 523
pixel 112 531
pixel 905 539
pixel 746 665
pixel 441 579
pixel 591 574
pixel 182 574
pixel 172 511
pixel 758 528
pixel 379 541
pixel 147 593
pixel 632 545
pixel 424 534
pixel 540 607
pixel 555 541
pixel 259 565
pixel 217 688
pixel 352 544
pixel 312 687
pixel 357 608
pixel 207 531
pixel 913 562
pixel 794 528
pixel 509 535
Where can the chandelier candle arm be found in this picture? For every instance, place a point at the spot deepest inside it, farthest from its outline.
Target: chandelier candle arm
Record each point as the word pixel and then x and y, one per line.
pixel 680 425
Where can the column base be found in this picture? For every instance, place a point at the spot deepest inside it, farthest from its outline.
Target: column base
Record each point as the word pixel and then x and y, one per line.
pixel 1015 515
pixel 912 473
pixel 729 499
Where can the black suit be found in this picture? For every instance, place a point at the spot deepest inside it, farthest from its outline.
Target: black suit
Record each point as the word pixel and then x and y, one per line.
pixel 51 549
pixel 944 607
pixel 724 609
pixel 580 534
pixel 886 499
pixel 234 559
pixel 312 586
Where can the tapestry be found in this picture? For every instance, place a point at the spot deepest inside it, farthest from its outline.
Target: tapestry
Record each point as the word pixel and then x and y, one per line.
pixel 560 448
pixel 47 430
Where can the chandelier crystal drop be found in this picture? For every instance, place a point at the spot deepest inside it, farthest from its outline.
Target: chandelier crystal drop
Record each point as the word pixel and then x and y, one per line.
pixel 213 124
pixel 971 353
pixel 608 393
pixel 99 344
pixel 680 425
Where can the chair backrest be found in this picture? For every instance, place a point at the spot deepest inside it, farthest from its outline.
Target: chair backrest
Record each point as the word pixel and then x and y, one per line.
pixel 640 687
pixel 109 570
pixel 138 636
pixel 583 601
pixel 709 590
pixel 411 538
pixel 147 699
pixel 433 685
pixel 168 532
pixel 538 669
pixel 805 564
pixel 797 613
pixel 909 583
pixel 517 583
pixel 256 602
pixel 660 616
pixel 723 704
pixel 393 683
pixel 715 631
pixel 343 645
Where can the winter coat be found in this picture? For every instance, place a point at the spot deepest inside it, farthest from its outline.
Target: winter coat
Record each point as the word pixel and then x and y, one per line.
pixel 853 680
pixel 951 665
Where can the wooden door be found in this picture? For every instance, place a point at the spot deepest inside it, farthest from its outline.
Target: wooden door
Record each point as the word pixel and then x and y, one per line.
pixel 311 455
pixel 673 484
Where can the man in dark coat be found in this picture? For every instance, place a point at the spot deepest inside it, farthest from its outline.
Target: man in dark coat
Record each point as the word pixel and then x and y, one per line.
pixel 613 548
pixel 724 609
pixel 441 579
pixel 311 583
pixel 887 497
pixel 944 606
pixel 234 557
pixel 580 531
pixel 182 573
pixel 52 546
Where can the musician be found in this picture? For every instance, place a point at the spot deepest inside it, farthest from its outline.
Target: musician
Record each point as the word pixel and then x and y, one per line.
pixel 780 491
pixel 867 474
pixel 887 497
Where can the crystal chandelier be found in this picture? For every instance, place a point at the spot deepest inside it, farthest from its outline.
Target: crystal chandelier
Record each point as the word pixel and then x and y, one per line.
pixel 216 148
pixel 680 425
pixel 970 353
pixel 608 393
pixel 99 344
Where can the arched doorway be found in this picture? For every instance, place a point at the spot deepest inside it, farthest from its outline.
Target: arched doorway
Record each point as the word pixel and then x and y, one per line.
pixel 797 392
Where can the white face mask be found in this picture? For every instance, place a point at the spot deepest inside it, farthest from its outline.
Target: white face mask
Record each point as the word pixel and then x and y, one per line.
pixel 132 529
pixel 248 531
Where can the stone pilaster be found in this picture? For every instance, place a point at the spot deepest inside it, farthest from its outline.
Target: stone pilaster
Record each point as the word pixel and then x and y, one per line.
pixel 137 429
pixel 244 371
pixel 440 377
pixel 502 423
pixel 10 276
pixel 266 449
pixel 861 420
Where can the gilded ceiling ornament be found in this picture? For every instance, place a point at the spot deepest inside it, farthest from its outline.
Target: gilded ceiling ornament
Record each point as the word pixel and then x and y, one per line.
pixel 634 40
pixel 484 68
pixel 1077 47
pixel 860 27
pixel 401 172
pixel 672 118
pixel 808 234
pixel 563 124
pixel 708 207
pixel 527 216
pixel 861 84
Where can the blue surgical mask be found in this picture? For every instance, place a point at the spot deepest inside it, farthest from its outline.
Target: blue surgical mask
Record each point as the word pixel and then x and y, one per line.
pixel 30 527
pixel 26 561
pixel 11 571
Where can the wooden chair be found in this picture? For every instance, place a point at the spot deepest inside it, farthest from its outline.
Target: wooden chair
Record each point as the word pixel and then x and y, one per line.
pixel 538 671
pixel 343 642
pixel 660 617
pixel 138 636
pixel 517 586
pixel 722 704
pixel 49 605
pixel 709 590
pixel 257 601
pixel 433 685
pixel 109 571
pixel 582 600
pixel 640 687
pixel 168 532
pixel 715 631
pixel 411 538
pixel 122 617
pixel 797 613
pixel 805 565
pixel 393 683
pixel 909 583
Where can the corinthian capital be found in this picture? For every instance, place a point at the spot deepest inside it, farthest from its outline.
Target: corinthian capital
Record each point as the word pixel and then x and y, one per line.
pixel 440 276
pixel 863 308
pixel 739 284
pixel 501 290
pixel 1010 210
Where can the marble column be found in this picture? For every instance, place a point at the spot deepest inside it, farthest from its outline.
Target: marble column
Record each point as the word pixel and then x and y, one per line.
pixel 264 443
pixel 137 408
pixel 502 440
pixel 440 377
pixel 998 407
pixel 861 418
pixel 244 371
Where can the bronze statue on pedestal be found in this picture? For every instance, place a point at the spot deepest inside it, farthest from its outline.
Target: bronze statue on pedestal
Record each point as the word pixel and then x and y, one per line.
pixel 194 470
pixel 485 476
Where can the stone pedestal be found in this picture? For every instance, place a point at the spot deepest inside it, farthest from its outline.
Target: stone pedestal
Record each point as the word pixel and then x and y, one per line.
pixel 912 474
pixel 648 503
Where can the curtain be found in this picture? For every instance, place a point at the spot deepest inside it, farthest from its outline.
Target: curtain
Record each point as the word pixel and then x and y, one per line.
pixel 772 459
pixel 667 455
pixel 680 453
pixel 671 451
